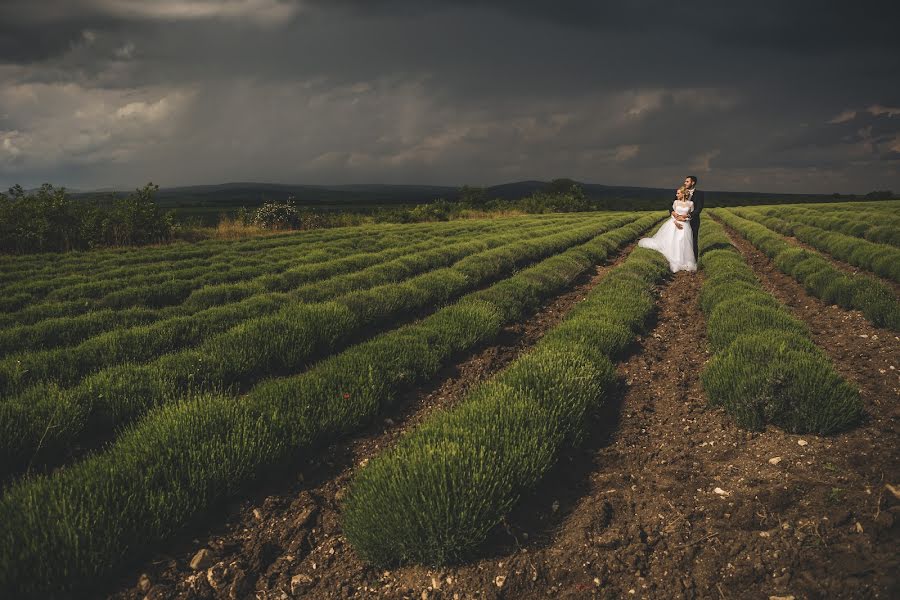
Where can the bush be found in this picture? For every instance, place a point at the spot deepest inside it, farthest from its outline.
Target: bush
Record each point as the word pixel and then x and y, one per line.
pixel 766 368
pixel 277 215
pixel 48 220
pixel 780 377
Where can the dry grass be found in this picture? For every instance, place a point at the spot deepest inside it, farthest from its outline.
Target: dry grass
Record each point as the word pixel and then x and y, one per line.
pixel 230 228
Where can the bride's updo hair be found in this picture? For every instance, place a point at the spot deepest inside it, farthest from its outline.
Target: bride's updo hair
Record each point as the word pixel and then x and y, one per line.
pixel 680 193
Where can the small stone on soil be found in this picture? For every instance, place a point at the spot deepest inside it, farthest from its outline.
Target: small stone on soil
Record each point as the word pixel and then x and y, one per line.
pixel 202 560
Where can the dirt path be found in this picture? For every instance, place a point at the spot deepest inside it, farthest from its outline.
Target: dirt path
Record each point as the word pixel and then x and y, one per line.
pixel 259 542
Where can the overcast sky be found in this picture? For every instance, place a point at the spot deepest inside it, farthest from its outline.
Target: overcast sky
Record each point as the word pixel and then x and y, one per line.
pixel 776 96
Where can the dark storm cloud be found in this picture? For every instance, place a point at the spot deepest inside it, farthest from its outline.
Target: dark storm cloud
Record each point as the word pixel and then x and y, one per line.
pixel 753 97
pixel 802 25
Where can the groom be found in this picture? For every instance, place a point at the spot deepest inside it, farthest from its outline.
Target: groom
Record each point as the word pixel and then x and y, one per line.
pixel 690 183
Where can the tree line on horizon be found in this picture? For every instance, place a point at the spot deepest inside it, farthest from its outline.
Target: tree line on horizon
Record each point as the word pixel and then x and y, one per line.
pixel 49 219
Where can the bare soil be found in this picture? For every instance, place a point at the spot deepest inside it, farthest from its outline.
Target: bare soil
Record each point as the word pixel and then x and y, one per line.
pixel 666 499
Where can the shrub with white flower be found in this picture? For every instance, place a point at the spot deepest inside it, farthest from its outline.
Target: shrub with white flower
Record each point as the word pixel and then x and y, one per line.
pixel 277 215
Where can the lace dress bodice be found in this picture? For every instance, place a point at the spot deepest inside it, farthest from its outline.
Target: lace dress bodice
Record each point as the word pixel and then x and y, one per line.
pixel 683 208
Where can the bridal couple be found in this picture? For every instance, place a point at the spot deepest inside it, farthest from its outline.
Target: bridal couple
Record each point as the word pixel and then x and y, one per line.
pixel 677 238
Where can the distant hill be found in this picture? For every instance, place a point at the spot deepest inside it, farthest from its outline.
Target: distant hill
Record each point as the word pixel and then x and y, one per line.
pixel 253 193
pixel 207 202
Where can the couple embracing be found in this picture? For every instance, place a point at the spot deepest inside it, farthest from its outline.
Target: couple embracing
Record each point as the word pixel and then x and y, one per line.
pixel 677 238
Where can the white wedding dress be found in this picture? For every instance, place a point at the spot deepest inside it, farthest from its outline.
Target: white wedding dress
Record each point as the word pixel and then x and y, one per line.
pixel 675 244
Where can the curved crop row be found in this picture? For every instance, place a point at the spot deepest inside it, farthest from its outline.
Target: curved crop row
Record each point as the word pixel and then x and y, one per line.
pixel 861 208
pixel 846 222
pixel 765 368
pixel 174 286
pixel 108 262
pixel 62 331
pixel 881 259
pixel 94 284
pixel 434 497
pixel 64 530
pixel 158 294
pixel 49 264
pixel 818 275
pixel 279 344
pixel 142 343
pixel 16 268
pixel 228 266
pixel 233 264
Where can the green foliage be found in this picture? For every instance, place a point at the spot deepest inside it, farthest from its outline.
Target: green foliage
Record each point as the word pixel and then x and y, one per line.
pixel 63 530
pixel 765 369
pixel 434 496
pixel 780 377
pixel 277 215
pixel 466 468
pixel 269 335
pixel 881 259
pixel 48 220
pixel 289 268
pixel 882 228
pixel 472 197
pixel 819 276
pixel 561 195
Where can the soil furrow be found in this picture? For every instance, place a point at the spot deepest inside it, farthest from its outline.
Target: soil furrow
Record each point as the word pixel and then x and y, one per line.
pixel 259 543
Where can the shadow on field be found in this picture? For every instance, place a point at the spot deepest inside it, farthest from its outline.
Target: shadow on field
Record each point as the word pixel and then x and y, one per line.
pixel 533 522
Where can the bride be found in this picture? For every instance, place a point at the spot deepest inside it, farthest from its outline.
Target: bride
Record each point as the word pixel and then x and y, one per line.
pixel 674 238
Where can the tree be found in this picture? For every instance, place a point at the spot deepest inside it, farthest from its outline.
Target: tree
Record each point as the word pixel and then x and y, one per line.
pixel 48 220
pixel 473 197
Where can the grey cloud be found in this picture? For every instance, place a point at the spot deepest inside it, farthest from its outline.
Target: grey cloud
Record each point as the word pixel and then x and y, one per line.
pixel 453 92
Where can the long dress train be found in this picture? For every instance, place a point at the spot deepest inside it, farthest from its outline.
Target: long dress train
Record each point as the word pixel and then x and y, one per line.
pixel 675 244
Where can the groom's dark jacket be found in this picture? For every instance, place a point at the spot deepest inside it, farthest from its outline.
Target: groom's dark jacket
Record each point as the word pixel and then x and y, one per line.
pixel 698 198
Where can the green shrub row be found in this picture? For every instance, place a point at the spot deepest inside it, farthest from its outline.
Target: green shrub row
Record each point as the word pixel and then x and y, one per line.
pixel 52 333
pixel 80 284
pixel 279 344
pixel 224 267
pixel 175 286
pixel 83 321
pixel 50 265
pixel 234 264
pixel 881 259
pixel 434 497
pixel 819 275
pixel 292 280
pixel 853 211
pixel 141 343
pixel 765 368
pixel 63 531
pixel 116 263
pixel 879 229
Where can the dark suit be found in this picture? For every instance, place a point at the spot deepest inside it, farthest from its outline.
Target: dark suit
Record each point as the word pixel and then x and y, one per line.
pixel 698 198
